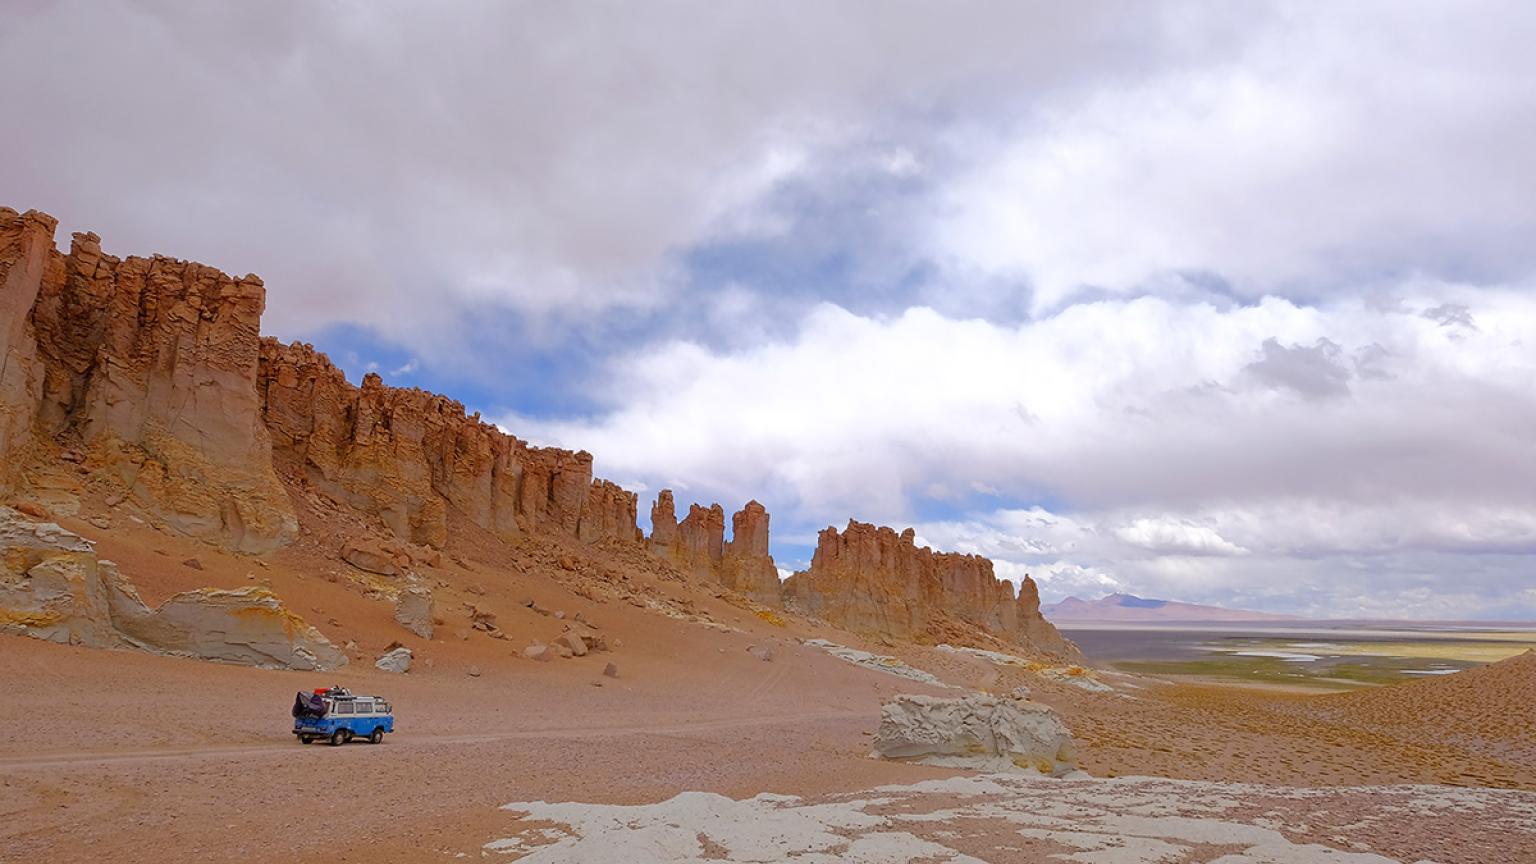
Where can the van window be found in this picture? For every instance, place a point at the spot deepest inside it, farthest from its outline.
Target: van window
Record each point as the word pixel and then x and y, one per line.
pixel 344 708
pixel 381 707
pixel 365 707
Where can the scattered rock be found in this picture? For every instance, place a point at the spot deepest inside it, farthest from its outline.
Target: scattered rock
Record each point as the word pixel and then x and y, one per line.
pixel 101 522
pixel 539 652
pixel 976 731
pixel 475 589
pixel 611 671
pixel 395 660
pixel 560 615
pixel 577 645
pixel 482 620
pixel 761 652
pixel 193 563
pixel 474 671
pixel 564 651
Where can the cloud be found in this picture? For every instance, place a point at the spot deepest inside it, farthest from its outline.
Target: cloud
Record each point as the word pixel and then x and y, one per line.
pixel 1176 461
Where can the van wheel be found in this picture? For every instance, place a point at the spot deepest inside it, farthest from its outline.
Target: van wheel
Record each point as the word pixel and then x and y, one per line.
pixel 305 739
pixel 378 736
pixel 338 738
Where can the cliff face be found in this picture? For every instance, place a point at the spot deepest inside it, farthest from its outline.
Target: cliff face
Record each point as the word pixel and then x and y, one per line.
pixel 406 456
pixel 873 580
pixel 698 547
pixel 149 364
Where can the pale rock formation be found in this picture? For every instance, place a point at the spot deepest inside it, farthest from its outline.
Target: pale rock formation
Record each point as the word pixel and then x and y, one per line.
pixel 876 662
pixel 975 731
pixel 53 587
pixel 414 610
pixel 248 626
pixel 540 652
pixel 396 660
pixel 150 364
pixel 406 456
pixel 873 580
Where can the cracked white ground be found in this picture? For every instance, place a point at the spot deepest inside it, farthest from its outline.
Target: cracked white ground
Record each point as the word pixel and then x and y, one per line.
pixel 1007 818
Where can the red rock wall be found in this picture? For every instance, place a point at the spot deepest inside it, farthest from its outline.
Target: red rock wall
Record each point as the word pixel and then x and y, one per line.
pixel 873 580
pixel 150 365
pixel 406 456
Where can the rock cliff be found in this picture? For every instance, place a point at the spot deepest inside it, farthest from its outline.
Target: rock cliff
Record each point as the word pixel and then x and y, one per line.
pixel 149 365
pixel 407 456
pixel 698 547
pixel 873 580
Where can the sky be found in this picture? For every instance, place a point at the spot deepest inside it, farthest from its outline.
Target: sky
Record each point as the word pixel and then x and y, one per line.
pixel 1223 303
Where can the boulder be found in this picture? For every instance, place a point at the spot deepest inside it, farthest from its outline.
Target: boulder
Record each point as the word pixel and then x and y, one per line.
pixel 539 652
pixel 51 585
pixel 611 671
pixel 397 660
pixel 413 610
pixel 371 559
pixel 577 645
pixel 761 652
pixel 976 731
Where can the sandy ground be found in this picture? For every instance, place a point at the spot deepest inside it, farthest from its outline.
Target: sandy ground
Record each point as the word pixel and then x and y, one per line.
pixel 123 756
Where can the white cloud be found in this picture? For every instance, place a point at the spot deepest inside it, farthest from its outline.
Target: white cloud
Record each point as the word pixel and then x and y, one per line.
pixel 1178 469
pixel 1346 144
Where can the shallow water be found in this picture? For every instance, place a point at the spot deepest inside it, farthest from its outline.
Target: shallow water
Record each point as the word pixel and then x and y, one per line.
pixel 1342 657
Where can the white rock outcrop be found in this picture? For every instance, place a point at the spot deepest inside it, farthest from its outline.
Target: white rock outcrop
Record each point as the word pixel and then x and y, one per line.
pixel 397 660
pixel 413 610
pixel 53 587
pixel 976 731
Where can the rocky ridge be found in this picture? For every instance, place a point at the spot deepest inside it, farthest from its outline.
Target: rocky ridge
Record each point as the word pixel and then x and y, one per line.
pixel 406 456
pixel 149 374
pixel 870 579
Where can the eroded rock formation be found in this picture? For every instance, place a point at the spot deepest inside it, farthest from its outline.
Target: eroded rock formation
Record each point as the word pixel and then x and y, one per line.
pixel 150 365
pixel 747 566
pixel 406 456
pixel 698 546
pixel 976 731
pixel 873 580
pixel 53 587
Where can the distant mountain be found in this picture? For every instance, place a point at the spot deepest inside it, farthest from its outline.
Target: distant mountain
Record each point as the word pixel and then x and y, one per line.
pixel 1130 608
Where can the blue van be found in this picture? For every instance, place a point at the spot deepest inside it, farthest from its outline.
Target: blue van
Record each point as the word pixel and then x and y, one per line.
pixel 338 716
